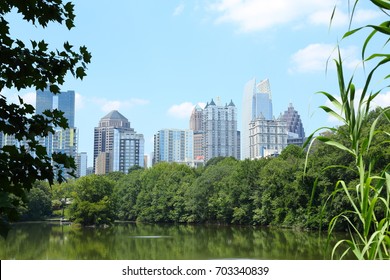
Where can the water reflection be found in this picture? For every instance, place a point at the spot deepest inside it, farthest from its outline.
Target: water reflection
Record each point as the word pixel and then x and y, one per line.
pixel 158 242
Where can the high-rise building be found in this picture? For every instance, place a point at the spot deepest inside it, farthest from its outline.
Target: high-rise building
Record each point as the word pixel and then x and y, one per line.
pixel 257 102
pixel 64 101
pixel 81 163
pixel 128 150
pixel 117 147
pixel 62 140
pixel 196 121
pixel 173 145
pixel 267 137
pixel 219 124
pixel 296 132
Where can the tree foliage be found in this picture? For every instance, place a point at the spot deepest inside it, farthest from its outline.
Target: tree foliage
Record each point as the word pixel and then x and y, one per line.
pixel 92 201
pixel 263 192
pixel 33 65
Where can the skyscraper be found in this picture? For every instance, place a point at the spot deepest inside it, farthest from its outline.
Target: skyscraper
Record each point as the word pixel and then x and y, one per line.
pixel 65 102
pixel 196 126
pixel 196 119
pixel 117 147
pixel 294 125
pixel 63 140
pixel 81 163
pixel 257 102
pixel 219 124
pixel 173 145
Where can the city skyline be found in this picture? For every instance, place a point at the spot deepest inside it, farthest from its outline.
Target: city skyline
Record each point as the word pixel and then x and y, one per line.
pixel 161 59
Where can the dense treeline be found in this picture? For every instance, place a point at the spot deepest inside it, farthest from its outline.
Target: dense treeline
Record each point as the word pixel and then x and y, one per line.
pixel 273 191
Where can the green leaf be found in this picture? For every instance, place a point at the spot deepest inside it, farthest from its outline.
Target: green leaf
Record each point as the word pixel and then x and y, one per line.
pixel 332 113
pixel 351 32
pixel 42 46
pixel 382 4
pixel 335 144
pixel 54 89
pixel 332 99
pixel 383 28
pixel 68 47
pixel 80 72
pixel 69 24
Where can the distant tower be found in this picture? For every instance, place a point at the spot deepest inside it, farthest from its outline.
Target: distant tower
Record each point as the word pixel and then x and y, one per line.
pixel 267 137
pixel 257 102
pixel 81 163
pixel 196 118
pixel 117 147
pixel 173 145
pixel 63 140
pixel 64 101
pixel 294 126
pixel 220 131
pixel 196 126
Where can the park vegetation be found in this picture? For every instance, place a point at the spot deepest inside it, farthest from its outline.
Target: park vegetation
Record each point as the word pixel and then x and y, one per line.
pixel 33 64
pixel 264 192
pixel 367 214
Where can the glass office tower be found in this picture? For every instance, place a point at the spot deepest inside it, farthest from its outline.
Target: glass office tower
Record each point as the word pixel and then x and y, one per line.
pixel 257 102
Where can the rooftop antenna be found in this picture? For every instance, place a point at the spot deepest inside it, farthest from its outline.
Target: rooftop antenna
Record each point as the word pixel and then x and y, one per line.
pixel 218 100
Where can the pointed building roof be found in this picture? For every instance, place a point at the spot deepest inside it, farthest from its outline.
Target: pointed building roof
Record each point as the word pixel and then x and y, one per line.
pixel 231 103
pixel 212 103
pixel 114 119
pixel 114 115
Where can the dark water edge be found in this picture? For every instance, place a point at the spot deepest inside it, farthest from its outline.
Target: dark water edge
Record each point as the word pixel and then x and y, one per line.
pixel 131 241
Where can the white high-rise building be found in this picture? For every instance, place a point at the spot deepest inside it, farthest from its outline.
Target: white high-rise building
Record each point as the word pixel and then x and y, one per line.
pixel 220 137
pixel 82 160
pixel 174 145
pixel 267 137
pixel 256 103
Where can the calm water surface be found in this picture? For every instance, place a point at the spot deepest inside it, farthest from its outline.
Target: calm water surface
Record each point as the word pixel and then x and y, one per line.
pixel 159 242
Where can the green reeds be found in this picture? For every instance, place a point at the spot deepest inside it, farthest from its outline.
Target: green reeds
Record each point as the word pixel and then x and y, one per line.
pixel 368 218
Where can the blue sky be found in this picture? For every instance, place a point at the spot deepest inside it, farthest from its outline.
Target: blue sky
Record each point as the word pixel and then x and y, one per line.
pixel 154 60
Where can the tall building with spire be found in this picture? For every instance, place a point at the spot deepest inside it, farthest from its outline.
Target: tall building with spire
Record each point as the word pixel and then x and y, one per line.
pixel 117 147
pixel 219 124
pixel 256 103
pixel 296 132
pixel 196 120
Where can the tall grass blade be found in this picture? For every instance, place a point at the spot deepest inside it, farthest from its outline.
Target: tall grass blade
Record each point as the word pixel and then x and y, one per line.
pixel 382 4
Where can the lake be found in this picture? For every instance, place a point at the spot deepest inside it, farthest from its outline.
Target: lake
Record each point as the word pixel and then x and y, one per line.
pixel 130 241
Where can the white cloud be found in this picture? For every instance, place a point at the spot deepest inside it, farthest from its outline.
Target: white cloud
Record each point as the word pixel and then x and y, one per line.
pixel 362 16
pixel 341 18
pixel 182 110
pixel 314 57
pixel 79 101
pixel 257 15
pixel 13 97
pixel 29 97
pixel 382 100
pixel 178 10
pixel 109 105
pixel 323 17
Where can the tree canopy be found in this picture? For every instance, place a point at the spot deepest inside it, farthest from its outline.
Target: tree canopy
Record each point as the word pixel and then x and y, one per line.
pixel 32 65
